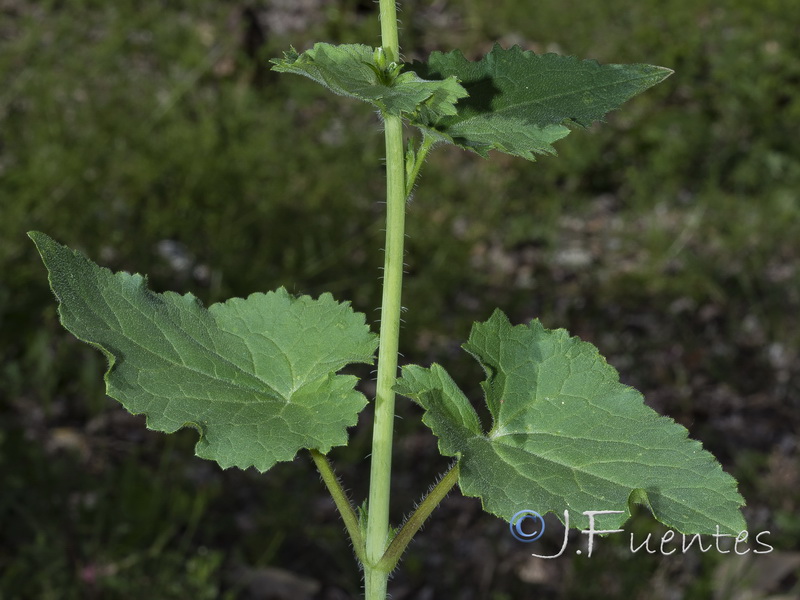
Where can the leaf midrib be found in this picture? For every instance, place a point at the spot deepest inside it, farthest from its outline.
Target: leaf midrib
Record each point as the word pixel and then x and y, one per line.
pixel 501 112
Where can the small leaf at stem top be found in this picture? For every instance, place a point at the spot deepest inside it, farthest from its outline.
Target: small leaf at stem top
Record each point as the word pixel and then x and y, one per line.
pixel 520 102
pixel 566 434
pixel 256 376
pixel 361 72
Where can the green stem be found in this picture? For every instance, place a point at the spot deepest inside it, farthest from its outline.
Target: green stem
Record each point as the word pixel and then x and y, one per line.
pixel 389 41
pixel 417 519
pixel 375 579
pixel 381 468
pixel 342 502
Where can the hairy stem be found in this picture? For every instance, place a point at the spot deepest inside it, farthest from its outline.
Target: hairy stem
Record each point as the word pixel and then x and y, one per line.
pixel 381 468
pixel 375 579
pixel 391 46
pixel 342 502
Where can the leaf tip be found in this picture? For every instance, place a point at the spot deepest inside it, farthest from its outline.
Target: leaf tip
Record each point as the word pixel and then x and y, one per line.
pixel 498 316
pixel 40 239
pixel 638 496
pixel 289 56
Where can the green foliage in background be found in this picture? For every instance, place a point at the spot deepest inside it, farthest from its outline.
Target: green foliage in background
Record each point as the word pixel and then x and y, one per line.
pixel 134 116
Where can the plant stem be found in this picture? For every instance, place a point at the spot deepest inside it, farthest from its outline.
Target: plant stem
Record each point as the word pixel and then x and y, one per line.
pixel 381 468
pixel 417 519
pixel 375 579
pixel 342 502
pixel 388 13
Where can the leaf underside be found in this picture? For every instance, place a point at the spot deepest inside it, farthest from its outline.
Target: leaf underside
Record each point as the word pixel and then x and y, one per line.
pixel 256 377
pixel 566 434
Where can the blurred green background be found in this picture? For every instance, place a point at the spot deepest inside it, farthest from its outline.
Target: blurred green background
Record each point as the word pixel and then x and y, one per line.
pixel 153 136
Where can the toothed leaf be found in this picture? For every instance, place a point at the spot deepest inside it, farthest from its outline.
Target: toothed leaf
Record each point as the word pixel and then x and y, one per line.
pixel 256 376
pixel 566 434
pixel 352 70
pixel 521 102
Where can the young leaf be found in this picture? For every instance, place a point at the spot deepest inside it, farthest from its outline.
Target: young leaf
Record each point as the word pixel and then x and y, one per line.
pixel 521 102
pixel 352 70
pixel 256 376
pixel 566 434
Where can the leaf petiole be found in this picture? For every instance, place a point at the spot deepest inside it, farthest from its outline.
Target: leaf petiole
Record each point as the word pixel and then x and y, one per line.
pixel 341 500
pixel 416 520
pixel 415 160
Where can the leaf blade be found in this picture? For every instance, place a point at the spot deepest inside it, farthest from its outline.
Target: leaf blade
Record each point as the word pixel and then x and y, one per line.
pixel 248 374
pixel 520 102
pixel 351 70
pixel 567 434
